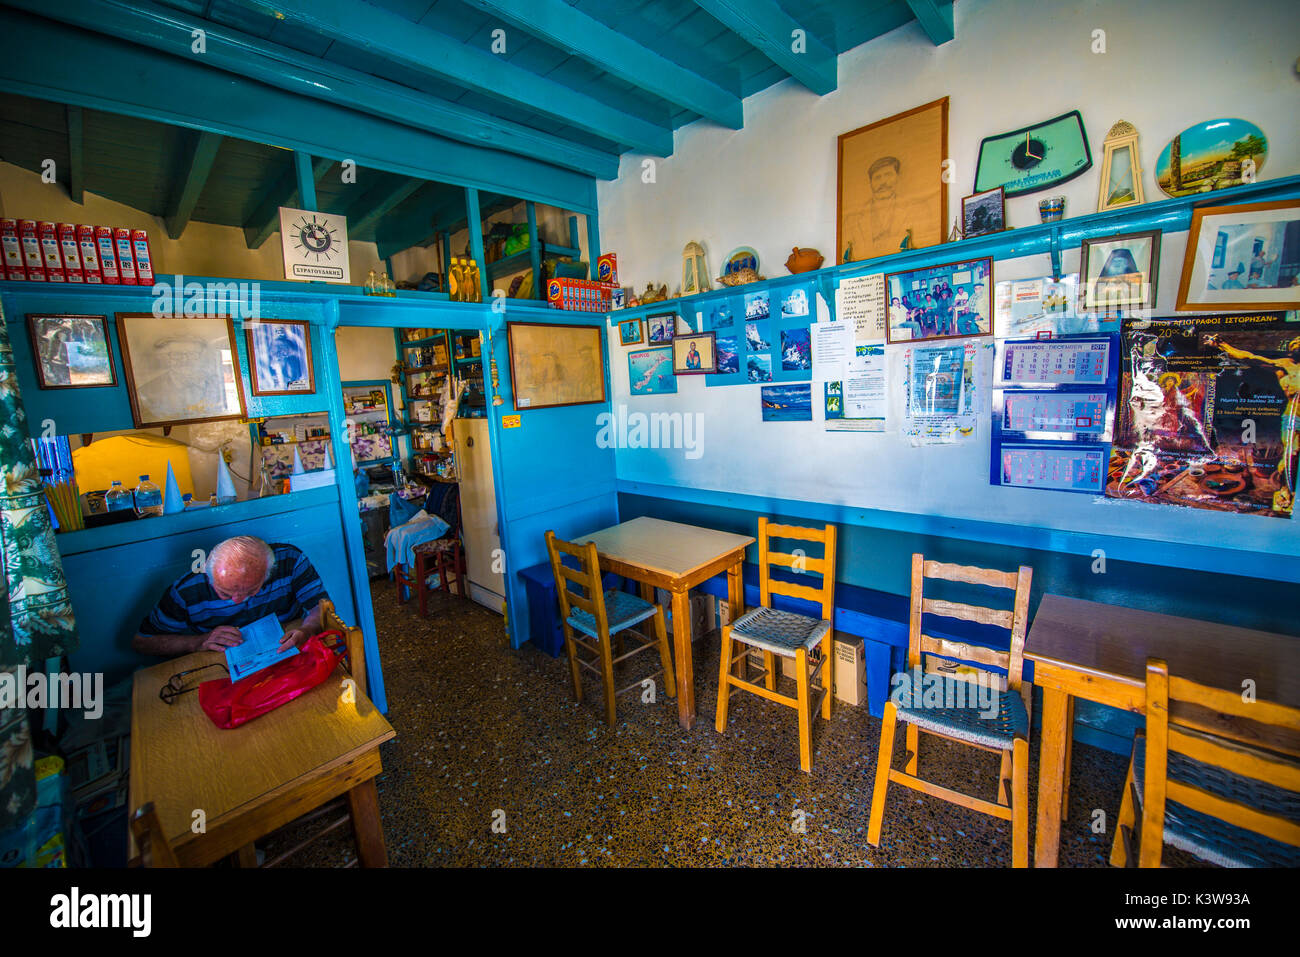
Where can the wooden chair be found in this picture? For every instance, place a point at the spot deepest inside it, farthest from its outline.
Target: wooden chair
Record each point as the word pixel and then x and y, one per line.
pixel 155 849
pixel 785 633
pixel 603 617
pixel 446 556
pixel 1006 733
pixel 1197 786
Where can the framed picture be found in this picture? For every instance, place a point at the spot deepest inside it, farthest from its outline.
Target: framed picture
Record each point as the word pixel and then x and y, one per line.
pixel 940 302
pixel 983 213
pixel 1119 272
pixel 890 192
pixel 553 364
pixel 71 352
pixel 694 353
pixel 661 327
pixel 631 332
pixel 650 372
pixel 1243 257
pixel 279 357
pixel 180 370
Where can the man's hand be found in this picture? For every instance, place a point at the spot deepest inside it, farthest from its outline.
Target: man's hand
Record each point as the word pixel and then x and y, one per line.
pixel 293 638
pixel 220 638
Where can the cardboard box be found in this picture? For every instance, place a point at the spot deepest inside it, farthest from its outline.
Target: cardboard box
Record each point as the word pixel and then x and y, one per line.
pixel 849 668
pixel 13 250
pixel 107 250
pixel 53 261
pixel 67 233
pixel 89 252
pixel 143 259
pixel 30 241
pixel 703 620
pixel 607 268
pixel 125 258
pixel 579 295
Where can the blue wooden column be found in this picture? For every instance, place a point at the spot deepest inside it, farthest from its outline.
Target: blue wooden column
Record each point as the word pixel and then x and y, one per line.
pixel 306 180
pixel 593 241
pixel 446 261
pixel 534 249
pixel 475 225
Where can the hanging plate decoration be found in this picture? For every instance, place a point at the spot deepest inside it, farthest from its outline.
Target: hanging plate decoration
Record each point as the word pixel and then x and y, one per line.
pixel 742 257
pixel 1034 158
pixel 1215 154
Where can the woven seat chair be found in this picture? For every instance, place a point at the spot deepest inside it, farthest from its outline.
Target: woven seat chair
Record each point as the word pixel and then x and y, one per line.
pixel 1193 784
pixel 785 633
pixel 446 556
pixel 603 618
pixel 957 718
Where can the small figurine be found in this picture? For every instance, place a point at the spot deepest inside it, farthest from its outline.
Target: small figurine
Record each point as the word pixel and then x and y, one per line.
pixel 651 294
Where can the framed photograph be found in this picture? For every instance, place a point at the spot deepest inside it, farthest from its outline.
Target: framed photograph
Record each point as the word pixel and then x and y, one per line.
pixel 940 302
pixel 694 353
pixel 1242 257
pixel 631 332
pixel 180 370
pixel 71 352
pixel 891 194
pixel 983 213
pixel 661 327
pixel 553 364
pixel 650 372
pixel 279 357
pixel 1120 272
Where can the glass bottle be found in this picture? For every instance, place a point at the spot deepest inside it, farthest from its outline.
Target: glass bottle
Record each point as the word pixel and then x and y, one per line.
pixel 148 498
pixel 475 286
pixel 372 284
pixel 386 287
pixel 117 498
pixel 458 281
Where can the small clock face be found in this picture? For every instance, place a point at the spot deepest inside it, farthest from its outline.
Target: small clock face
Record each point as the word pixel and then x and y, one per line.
pixel 1034 158
pixel 1028 154
pixel 315 238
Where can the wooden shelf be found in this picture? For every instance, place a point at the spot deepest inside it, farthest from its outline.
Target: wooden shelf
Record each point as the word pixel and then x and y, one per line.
pixel 518 262
pixel 420 369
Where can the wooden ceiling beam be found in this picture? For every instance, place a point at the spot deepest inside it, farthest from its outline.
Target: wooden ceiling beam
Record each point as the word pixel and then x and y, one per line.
pixel 201 153
pixel 935 19
pixel 770 30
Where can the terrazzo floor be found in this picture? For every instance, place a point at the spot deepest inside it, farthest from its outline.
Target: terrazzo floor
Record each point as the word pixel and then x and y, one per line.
pixel 489 735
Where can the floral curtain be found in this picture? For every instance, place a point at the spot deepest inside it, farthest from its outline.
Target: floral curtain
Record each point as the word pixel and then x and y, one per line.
pixel 38 621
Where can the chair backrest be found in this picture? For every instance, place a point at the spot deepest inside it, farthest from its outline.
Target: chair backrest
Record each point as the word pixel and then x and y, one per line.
pixel 586 576
pixel 1188 718
pixel 1015 620
pixel 824 566
pixel 155 851
pixel 355 640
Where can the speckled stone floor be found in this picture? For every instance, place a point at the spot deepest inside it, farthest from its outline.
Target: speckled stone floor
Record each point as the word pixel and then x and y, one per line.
pixel 488 734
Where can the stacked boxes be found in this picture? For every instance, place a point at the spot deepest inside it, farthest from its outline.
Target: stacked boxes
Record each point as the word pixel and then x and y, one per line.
pixel 579 295
pixel 69 253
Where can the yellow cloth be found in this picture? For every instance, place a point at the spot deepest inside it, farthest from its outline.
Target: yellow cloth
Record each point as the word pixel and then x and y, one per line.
pixel 124 458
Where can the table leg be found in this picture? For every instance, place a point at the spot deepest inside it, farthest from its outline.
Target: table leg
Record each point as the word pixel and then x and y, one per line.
pixel 363 802
pixel 1051 777
pixel 682 649
pixel 736 606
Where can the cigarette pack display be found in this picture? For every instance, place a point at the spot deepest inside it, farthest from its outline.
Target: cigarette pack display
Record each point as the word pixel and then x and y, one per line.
pixel 50 252
pixel 89 253
pixel 67 233
pixel 13 250
pixel 125 259
pixel 30 241
pixel 143 261
pixel 107 255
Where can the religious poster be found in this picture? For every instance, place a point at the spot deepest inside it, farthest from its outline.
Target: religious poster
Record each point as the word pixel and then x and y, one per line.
pixel 1209 413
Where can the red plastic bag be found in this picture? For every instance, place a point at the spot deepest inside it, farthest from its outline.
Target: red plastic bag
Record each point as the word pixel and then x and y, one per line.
pixel 231 704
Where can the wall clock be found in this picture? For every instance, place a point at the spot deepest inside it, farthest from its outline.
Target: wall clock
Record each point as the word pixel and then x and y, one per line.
pixel 1034 158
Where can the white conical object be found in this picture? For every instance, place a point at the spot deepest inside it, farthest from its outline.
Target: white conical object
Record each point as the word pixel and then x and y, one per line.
pixel 297 462
pixel 329 459
pixel 225 485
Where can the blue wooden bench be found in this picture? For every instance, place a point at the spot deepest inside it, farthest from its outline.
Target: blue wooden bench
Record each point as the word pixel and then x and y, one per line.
pixel 878 618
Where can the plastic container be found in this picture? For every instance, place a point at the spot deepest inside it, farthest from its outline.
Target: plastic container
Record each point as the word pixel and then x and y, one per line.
pixel 118 499
pixel 148 498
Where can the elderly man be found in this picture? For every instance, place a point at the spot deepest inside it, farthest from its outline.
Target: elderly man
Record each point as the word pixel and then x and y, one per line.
pixel 244 579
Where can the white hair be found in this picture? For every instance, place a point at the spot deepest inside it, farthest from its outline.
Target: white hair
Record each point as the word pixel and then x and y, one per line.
pixel 241 548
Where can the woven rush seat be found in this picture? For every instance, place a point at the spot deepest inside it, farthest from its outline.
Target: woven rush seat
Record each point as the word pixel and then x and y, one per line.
pixel 623 611
pixel 436 546
pixel 967 723
pixel 1210 838
pixel 778 631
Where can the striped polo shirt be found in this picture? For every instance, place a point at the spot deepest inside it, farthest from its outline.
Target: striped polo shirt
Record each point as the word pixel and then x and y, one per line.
pixel 190 606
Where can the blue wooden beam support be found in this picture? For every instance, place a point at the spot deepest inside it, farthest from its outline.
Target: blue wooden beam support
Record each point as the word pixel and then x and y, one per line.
pixel 534 250
pixel 770 30
pixel 475 218
pixel 935 19
pixel 364 214
pixel 568 28
pixel 306 178
pixel 435 54
pixel 200 154
pixel 283 192
pixel 76 156
pixel 171 31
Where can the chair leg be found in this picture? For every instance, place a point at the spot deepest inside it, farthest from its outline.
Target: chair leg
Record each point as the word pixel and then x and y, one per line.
pixel 770 666
pixel 573 662
pixel 724 682
pixel 421 585
pixel 884 757
pixel 1069 753
pixel 665 656
pixel 1020 803
pixel 913 748
pixel 1127 816
pixel 607 672
pixel 1004 779
pixel 399 576
pixel 805 709
pixel 828 676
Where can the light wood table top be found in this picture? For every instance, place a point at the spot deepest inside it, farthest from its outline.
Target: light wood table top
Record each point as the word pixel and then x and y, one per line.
pixel 669 548
pixel 181 761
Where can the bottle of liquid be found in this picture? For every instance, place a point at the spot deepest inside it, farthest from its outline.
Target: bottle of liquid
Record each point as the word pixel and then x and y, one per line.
pixel 372 284
pixel 148 498
pixel 457 281
pixel 472 279
pixel 117 498
pixel 390 287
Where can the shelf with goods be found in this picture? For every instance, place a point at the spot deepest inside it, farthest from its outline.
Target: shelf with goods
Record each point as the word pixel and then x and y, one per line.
pixel 368 405
pixel 530 260
pixel 277 438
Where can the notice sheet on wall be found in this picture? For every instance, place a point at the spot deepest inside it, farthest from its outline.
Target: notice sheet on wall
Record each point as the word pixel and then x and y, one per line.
pixel 859 403
pixel 860 300
pixel 939 396
pixel 832 347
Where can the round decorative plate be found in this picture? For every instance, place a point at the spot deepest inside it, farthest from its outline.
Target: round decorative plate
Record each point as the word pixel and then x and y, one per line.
pixel 1212 155
pixel 740 258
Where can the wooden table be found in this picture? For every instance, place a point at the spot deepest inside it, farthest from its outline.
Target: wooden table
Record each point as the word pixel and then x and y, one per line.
pixel 1099 652
pixel 676 558
pixel 250 780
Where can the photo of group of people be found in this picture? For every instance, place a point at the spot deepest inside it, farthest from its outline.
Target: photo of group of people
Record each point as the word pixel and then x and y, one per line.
pixel 941 302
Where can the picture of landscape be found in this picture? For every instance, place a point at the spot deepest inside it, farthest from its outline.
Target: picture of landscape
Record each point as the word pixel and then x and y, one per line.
pixel 1212 155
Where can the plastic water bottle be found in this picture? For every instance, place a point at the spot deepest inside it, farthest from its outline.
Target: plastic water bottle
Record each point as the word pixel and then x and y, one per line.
pixel 148 498
pixel 117 498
